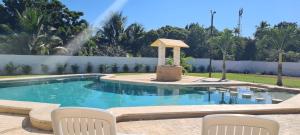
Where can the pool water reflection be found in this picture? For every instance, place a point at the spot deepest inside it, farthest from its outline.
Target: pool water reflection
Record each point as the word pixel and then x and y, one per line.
pixel 92 92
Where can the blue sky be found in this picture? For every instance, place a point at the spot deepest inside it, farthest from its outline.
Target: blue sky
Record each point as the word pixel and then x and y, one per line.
pixel 153 14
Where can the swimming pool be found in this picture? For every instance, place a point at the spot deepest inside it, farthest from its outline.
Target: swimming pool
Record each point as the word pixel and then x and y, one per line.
pixel 93 92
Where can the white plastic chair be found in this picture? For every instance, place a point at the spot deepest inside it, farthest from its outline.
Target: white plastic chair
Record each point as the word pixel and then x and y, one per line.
pixel 83 121
pixel 235 124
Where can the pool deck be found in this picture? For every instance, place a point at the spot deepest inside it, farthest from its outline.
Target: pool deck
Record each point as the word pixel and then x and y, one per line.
pixel 20 125
pixel 38 114
pixel 149 79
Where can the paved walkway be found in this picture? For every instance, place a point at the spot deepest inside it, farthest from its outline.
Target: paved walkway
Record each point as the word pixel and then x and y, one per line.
pixel 289 125
pixel 19 125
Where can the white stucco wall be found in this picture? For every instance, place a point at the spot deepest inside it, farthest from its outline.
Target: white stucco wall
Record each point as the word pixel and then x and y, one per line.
pixel 289 68
pixel 36 61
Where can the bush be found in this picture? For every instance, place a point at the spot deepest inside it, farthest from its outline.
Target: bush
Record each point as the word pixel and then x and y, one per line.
pixel 10 68
pixel 89 68
pixel 26 69
pixel 246 71
pixel 103 68
pixel 201 69
pixel 61 68
pixel 194 69
pixel 169 61
pixel 213 69
pixel 125 68
pixel 45 68
pixel 138 67
pixel 188 69
pixel 207 69
pixel 184 62
pixel 114 68
pixel 271 73
pixel 75 68
pixel 147 68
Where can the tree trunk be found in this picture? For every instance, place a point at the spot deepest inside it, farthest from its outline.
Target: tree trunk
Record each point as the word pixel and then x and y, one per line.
pixel 224 67
pixel 209 67
pixel 279 70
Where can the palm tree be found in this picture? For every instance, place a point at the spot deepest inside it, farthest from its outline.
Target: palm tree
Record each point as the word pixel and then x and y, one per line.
pixel 31 23
pixel 113 29
pixel 224 42
pixel 132 39
pixel 279 38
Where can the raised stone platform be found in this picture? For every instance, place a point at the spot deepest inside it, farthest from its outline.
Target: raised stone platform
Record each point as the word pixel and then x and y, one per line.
pixel 167 73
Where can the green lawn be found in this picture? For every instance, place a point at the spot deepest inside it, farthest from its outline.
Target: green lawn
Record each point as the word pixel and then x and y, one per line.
pixel 265 79
pixel 293 82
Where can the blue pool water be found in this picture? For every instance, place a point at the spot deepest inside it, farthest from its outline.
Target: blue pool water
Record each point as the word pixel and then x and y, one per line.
pixel 92 92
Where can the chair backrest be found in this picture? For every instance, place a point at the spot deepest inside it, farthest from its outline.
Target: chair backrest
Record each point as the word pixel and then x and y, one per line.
pixel 83 121
pixel 234 124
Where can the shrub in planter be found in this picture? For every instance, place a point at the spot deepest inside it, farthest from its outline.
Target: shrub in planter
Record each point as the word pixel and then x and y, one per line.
pixel 188 69
pixel 103 68
pixel 271 73
pixel 26 69
pixel 125 68
pixel 138 67
pixel 10 68
pixel 61 68
pixel 75 68
pixel 213 69
pixel 114 68
pixel 194 69
pixel 147 68
pixel 89 68
pixel 246 72
pixel 201 69
pixel 45 68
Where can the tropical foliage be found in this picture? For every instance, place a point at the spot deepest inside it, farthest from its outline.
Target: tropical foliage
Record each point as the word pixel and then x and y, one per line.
pixel 37 26
pixel 279 38
pixel 224 42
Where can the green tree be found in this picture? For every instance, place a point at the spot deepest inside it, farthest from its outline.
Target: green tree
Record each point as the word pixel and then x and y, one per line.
pixel 133 38
pixel 36 23
pixel 146 50
pixel 280 37
pixel 250 49
pixel 112 31
pixel 197 40
pixel 263 50
pixel 225 43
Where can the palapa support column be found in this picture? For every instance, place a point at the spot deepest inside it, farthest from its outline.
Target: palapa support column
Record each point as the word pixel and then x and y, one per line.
pixel 161 55
pixel 168 72
pixel 176 56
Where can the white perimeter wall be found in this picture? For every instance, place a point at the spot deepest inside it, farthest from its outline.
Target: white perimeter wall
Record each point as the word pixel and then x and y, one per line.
pixel 289 68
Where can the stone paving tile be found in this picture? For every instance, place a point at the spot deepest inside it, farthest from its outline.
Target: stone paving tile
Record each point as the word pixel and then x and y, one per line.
pixel 289 125
pixel 19 125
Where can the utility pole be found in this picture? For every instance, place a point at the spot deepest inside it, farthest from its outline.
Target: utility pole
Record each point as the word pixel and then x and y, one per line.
pixel 212 13
pixel 241 11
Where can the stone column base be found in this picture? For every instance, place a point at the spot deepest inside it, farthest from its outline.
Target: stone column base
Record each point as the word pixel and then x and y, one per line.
pixel 167 73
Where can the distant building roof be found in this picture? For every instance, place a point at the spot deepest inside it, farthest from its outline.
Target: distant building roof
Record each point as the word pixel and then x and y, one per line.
pixel 169 43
